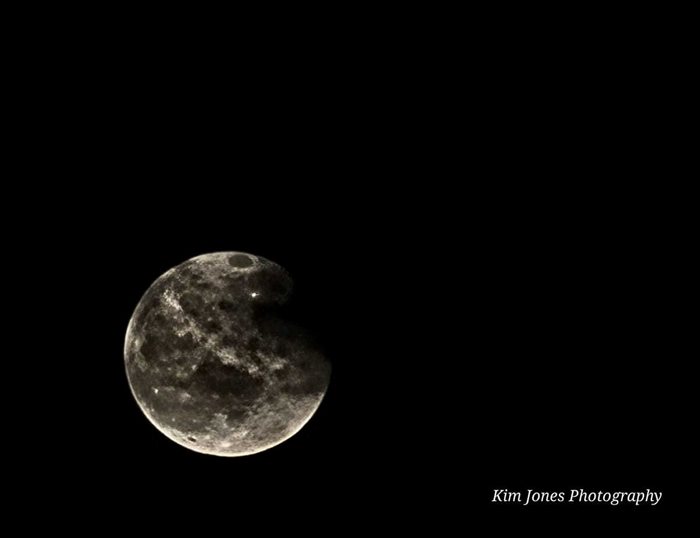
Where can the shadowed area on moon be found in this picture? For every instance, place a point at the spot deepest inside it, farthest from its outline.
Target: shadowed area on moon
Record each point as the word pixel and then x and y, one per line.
pixel 211 362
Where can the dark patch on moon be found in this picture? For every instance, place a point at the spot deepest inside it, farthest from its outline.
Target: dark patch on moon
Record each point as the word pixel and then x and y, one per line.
pixel 213 363
pixel 240 260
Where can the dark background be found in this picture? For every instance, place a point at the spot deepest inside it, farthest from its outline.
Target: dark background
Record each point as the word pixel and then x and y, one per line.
pixel 488 244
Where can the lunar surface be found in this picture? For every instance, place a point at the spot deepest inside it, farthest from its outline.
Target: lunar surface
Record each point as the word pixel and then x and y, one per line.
pixel 213 363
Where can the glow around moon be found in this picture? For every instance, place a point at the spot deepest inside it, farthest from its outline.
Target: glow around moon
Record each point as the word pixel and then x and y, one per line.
pixel 212 362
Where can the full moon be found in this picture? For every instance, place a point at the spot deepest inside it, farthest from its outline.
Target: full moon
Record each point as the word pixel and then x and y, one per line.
pixel 213 362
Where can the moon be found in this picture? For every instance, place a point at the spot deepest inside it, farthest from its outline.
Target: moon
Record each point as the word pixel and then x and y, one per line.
pixel 213 362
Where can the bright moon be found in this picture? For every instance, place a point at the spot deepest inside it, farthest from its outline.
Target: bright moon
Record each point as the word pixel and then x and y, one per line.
pixel 212 362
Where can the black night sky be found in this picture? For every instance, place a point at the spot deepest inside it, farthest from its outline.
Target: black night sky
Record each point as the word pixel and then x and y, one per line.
pixel 496 287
